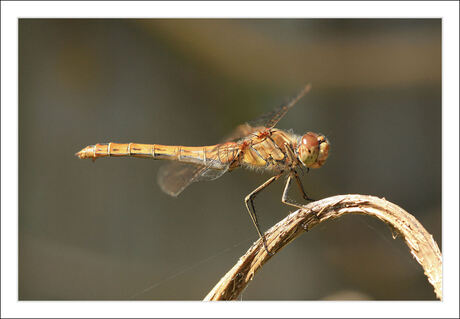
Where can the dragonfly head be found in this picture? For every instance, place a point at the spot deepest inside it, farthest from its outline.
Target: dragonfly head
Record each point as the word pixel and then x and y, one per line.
pixel 313 150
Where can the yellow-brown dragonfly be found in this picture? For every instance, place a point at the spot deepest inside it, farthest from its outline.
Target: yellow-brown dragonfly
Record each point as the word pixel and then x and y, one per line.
pixel 256 144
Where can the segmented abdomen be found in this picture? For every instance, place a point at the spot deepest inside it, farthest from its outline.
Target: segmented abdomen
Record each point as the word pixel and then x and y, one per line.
pixel 216 156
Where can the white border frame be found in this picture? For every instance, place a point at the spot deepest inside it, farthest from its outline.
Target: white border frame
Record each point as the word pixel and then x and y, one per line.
pixel 11 11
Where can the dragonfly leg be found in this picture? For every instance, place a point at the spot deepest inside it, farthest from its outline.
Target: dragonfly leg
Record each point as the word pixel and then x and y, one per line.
pixel 249 201
pixel 285 198
pixel 288 201
pixel 292 157
pixel 299 183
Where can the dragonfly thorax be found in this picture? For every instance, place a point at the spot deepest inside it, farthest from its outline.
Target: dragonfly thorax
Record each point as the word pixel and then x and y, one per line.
pixel 313 150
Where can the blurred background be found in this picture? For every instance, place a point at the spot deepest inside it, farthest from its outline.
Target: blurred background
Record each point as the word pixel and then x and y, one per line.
pixel 105 230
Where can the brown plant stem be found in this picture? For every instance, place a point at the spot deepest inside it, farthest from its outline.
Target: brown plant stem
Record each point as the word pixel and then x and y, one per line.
pixel 420 242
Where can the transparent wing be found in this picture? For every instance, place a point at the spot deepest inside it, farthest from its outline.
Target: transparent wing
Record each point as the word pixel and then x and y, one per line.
pixel 267 120
pixel 242 131
pixel 174 177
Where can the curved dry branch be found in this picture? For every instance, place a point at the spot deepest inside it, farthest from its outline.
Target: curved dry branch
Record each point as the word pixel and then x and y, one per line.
pixel 420 242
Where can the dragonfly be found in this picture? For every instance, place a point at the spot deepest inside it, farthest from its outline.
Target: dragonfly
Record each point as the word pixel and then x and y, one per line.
pixel 256 144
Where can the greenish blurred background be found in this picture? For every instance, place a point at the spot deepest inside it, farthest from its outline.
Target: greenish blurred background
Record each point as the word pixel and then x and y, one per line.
pixel 105 230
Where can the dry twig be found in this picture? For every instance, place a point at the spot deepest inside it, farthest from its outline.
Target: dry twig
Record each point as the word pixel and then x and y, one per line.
pixel 420 242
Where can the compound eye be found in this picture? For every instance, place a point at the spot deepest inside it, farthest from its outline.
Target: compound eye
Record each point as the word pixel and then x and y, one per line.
pixel 310 140
pixel 308 149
